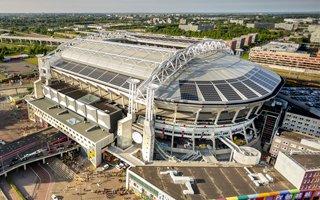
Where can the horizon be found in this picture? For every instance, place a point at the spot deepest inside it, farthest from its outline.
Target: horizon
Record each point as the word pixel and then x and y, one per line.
pixel 165 6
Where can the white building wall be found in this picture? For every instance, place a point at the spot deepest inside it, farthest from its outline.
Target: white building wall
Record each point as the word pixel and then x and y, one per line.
pixel 300 123
pixel 292 171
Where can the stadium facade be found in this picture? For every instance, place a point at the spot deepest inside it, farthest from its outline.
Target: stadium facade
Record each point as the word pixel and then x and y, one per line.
pixel 182 95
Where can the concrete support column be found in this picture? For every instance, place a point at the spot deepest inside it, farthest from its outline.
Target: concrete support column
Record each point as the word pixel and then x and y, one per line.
pixel 235 116
pixel 194 129
pixel 245 135
pixel 173 126
pixel 43 161
pixel 249 113
pixel 216 120
pixel 24 167
pixel 213 139
pixel 254 129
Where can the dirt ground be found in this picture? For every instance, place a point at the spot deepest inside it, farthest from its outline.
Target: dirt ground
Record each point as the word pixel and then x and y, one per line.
pixel 14 122
pixel 17 67
pixel 93 184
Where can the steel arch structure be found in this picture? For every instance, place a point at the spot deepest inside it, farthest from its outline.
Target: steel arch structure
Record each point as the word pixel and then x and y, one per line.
pixel 177 62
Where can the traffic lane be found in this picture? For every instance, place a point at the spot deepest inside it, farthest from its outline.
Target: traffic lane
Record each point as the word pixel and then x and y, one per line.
pixel 15 158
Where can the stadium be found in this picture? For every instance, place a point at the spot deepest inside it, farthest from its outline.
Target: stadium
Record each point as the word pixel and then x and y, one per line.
pixel 171 97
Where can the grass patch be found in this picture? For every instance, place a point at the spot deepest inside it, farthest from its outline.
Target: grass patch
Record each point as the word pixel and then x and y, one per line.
pixel 14 187
pixel 2 76
pixel 33 60
pixel 245 56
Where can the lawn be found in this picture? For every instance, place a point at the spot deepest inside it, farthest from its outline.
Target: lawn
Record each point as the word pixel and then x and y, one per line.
pixel 33 60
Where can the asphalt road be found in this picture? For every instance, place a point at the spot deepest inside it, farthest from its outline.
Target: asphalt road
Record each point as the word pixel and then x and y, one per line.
pixel 14 152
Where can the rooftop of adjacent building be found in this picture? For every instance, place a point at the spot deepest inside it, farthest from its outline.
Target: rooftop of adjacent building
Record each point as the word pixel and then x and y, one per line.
pixel 212 182
pixel 295 136
pixel 308 161
pixel 71 119
pixel 280 47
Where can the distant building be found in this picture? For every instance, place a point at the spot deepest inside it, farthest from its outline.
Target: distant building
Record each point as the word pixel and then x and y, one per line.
pixel 315 37
pixel 248 40
pixel 232 44
pixel 313 28
pixel 286 26
pixel 183 21
pixel 302 170
pixel 240 42
pixel 301 123
pixel 237 21
pixel 192 27
pixel 293 142
pixel 260 25
pixel 254 38
pixel 285 56
pixel 301 20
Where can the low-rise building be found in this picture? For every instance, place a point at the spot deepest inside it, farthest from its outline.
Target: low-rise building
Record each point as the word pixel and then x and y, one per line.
pixel 315 37
pixel 287 26
pixel 301 123
pixel 302 170
pixel 312 28
pixel 193 27
pixel 208 182
pixel 260 25
pixel 285 56
pixel 293 142
pixel 240 42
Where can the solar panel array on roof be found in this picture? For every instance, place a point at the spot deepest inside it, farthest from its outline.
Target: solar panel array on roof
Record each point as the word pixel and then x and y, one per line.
pixel 86 71
pixel 244 90
pixel 256 87
pixel 209 93
pixel 119 80
pixel 107 76
pixel 95 73
pixel 77 68
pixel 188 91
pixel 228 92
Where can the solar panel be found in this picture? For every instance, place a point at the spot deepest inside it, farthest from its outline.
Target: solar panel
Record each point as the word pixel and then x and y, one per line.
pixel 125 85
pixel 61 64
pixel 188 91
pixel 119 80
pixel 69 66
pixel 77 68
pixel 209 93
pixel 228 92
pixel 255 87
pixel 244 90
pixel 265 79
pixel 262 82
pixel 96 73
pixel 269 76
pixel 106 77
pixel 86 71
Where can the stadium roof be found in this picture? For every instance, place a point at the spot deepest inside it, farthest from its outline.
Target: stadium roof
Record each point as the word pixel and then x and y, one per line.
pixel 204 73
pixel 220 78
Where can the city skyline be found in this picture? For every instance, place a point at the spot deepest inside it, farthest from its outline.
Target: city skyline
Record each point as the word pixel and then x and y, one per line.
pixel 203 6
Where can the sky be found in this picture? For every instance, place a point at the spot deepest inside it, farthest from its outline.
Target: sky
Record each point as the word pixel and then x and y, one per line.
pixel 111 6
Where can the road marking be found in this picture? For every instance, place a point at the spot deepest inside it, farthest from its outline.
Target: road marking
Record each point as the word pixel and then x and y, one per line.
pixel 40 181
pixel 48 190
